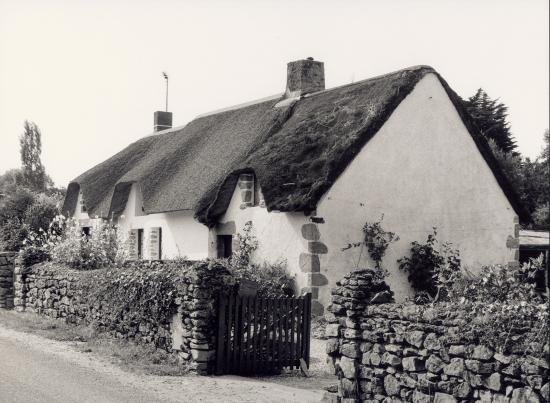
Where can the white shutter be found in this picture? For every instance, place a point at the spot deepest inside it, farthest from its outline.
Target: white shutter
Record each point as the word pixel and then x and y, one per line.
pixel 155 234
pixel 133 244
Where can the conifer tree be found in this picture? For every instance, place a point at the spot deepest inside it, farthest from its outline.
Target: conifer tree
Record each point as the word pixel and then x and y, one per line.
pixel 34 174
pixel 490 117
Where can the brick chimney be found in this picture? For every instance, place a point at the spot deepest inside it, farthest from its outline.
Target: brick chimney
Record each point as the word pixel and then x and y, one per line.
pixel 304 76
pixel 163 120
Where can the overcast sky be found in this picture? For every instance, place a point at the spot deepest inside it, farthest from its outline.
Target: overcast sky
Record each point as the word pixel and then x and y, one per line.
pixel 89 72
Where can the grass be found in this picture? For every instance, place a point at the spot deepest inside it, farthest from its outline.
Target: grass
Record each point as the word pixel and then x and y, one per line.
pixel 127 355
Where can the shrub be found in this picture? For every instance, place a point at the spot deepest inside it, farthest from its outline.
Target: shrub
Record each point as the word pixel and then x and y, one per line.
pixel 376 240
pixel 39 214
pixel 12 226
pixel 503 308
pixel 426 263
pixel 103 247
pixel 273 278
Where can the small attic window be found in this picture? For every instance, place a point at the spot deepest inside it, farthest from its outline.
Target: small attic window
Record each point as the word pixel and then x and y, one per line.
pixel 83 208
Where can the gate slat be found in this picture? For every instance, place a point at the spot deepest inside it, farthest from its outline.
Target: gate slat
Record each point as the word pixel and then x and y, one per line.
pixel 255 337
pixel 292 341
pixel 249 339
pixel 261 333
pixel 228 339
pixel 222 321
pixel 236 336
pixel 280 333
pixel 242 330
pixel 308 326
pixel 270 336
pixel 299 330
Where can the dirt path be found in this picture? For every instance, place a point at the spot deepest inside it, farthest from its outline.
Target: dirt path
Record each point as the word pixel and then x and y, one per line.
pixel 34 369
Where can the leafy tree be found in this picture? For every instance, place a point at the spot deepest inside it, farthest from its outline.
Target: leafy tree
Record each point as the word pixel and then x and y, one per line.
pixel 490 117
pixel 10 180
pixel 34 174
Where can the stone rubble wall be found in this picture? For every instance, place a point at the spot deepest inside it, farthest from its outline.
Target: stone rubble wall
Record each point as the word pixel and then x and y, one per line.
pixel 6 279
pixel 408 353
pixel 191 333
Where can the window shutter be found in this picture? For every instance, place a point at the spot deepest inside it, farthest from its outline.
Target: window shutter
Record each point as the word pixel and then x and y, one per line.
pixel 133 244
pixel 155 235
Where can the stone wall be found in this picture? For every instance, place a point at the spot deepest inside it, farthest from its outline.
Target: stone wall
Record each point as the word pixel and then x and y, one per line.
pixel 404 352
pixel 60 292
pixel 6 279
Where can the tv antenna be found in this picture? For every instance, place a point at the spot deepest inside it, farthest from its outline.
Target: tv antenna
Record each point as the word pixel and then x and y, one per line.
pixel 166 78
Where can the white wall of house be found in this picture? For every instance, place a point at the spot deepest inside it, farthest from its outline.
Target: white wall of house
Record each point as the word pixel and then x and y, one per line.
pixel 278 234
pixel 78 213
pixel 422 169
pixel 182 235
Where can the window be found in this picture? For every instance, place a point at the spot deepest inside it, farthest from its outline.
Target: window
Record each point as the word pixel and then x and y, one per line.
pixel 155 243
pixel 82 205
pixel 140 243
pixel 86 231
pixel 225 246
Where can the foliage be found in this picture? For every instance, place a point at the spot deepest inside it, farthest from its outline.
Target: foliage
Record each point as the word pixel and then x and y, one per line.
pixel 141 290
pixel 377 241
pixel 273 278
pixel 64 242
pixel 34 174
pixel 490 117
pixel 23 212
pixel 10 181
pixel 103 247
pixel 502 307
pixel 12 213
pixel 41 213
pixel 427 263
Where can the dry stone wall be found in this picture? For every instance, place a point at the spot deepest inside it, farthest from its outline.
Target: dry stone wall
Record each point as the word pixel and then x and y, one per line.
pixel 6 279
pixel 60 292
pixel 407 353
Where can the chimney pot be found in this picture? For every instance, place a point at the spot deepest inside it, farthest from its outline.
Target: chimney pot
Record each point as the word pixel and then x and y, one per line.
pixel 304 76
pixel 162 121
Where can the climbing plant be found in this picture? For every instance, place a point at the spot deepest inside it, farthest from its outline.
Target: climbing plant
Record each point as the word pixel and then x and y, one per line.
pixel 376 240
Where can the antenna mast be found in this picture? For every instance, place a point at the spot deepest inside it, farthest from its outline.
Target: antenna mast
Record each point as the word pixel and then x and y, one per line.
pixel 166 78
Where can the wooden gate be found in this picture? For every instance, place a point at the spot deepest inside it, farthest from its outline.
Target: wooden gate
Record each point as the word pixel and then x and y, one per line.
pixel 262 335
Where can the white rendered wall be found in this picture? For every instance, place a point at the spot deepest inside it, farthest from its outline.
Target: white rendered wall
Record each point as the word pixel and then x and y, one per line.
pixel 422 169
pixel 182 235
pixel 78 214
pixel 278 234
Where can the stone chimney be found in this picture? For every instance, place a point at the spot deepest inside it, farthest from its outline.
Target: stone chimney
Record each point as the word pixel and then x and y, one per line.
pixel 304 76
pixel 163 120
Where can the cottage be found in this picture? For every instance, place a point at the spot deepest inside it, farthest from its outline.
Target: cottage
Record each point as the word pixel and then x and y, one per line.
pixel 309 167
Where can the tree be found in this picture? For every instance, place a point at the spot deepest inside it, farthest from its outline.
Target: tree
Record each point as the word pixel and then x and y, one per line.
pixel 490 117
pixel 34 174
pixel 10 180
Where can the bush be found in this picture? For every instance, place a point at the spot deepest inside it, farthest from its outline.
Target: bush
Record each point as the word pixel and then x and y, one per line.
pixel 426 263
pixel 503 308
pixel 23 213
pixel 273 278
pixel 39 214
pixel 13 229
pixel 103 247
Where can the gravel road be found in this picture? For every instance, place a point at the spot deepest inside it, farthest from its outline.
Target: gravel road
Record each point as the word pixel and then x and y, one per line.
pixel 34 369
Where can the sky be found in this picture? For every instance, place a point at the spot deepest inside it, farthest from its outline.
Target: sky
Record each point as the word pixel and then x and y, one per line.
pixel 89 74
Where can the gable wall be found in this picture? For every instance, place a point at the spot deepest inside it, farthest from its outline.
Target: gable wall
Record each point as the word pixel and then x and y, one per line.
pixel 182 235
pixel 279 234
pixel 422 169
pixel 77 213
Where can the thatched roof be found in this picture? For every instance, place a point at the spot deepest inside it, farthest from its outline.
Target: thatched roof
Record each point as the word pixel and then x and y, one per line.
pixel 296 151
